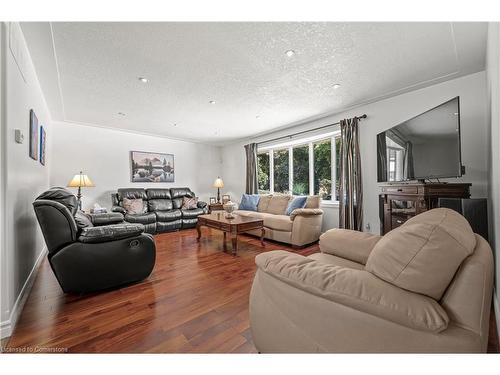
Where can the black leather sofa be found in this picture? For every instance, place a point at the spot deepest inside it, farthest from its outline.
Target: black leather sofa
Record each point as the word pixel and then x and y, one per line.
pixel 91 252
pixel 163 210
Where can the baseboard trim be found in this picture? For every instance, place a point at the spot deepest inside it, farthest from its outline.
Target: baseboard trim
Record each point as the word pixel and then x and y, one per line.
pixel 496 307
pixel 7 326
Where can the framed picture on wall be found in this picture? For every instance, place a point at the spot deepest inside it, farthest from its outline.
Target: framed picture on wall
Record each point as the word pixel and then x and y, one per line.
pixel 43 140
pixel 151 167
pixel 33 135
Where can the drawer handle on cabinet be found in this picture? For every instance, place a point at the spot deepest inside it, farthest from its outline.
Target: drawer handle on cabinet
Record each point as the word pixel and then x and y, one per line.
pixel 400 189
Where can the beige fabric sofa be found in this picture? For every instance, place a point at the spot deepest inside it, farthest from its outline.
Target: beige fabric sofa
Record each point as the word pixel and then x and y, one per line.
pixel 423 287
pixel 302 227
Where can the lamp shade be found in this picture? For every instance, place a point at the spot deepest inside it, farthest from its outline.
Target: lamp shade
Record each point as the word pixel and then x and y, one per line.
pixel 80 180
pixel 218 183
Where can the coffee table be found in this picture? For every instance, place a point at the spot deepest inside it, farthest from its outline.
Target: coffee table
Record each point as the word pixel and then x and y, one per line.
pixel 240 224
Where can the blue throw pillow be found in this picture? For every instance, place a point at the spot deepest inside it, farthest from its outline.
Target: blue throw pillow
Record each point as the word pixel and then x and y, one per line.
pixel 297 202
pixel 249 202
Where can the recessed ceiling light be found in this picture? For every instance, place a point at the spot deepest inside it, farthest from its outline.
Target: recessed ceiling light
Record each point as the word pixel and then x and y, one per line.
pixel 121 113
pixel 143 79
pixel 212 101
pixel 175 125
pixel 257 117
pixel 336 86
pixel 290 53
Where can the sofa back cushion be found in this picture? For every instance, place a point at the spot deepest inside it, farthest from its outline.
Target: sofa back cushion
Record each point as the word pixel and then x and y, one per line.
pixel 278 204
pixel 177 202
pixel 264 203
pixel 159 194
pixel 181 193
pixel 132 193
pixel 423 254
pixel 160 205
pixel 313 201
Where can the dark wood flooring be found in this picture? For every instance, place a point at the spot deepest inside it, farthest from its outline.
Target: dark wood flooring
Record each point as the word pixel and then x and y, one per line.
pixel 195 301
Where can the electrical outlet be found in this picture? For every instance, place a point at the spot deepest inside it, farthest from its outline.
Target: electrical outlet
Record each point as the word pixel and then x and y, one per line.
pixel 19 135
pixel 367 226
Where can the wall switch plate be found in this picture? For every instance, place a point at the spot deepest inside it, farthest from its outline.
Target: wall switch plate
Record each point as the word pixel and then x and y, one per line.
pixel 19 135
pixel 368 226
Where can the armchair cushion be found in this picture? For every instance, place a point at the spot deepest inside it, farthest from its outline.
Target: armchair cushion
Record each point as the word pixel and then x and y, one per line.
pixel 109 233
pixel 357 289
pixel 306 212
pixel 349 244
pixel 424 253
pixel 107 218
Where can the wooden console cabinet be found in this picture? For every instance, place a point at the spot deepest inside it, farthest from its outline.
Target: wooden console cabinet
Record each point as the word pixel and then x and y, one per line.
pixel 400 202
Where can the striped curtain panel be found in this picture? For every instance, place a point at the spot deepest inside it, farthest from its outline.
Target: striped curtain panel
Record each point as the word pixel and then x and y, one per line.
pixel 350 184
pixel 251 180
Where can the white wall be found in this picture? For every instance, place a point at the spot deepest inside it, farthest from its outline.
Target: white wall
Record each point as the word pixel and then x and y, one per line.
pixel 104 155
pixel 25 177
pixel 381 116
pixel 493 80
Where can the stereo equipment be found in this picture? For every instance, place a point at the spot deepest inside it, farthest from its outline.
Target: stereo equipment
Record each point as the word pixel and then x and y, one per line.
pixel 474 210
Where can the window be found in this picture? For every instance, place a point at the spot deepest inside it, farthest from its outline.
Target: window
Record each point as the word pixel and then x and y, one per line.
pixel 304 167
pixel 300 170
pixel 281 171
pixel 323 169
pixel 263 168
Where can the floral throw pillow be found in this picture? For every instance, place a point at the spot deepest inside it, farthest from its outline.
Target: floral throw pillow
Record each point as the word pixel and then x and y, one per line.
pixel 133 206
pixel 189 203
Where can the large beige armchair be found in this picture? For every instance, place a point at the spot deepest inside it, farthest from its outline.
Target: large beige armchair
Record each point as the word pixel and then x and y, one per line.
pixel 423 287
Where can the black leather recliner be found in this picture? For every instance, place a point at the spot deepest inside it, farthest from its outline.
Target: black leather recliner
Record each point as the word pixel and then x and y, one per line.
pixel 91 252
pixel 163 210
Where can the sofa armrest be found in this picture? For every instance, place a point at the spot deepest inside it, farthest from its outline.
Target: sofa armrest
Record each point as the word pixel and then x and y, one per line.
pixel 119 209
pixel 356 289
pixel 305 212
pixel 109 233
pixel 107 218
pixel 349 244
pixel 202 204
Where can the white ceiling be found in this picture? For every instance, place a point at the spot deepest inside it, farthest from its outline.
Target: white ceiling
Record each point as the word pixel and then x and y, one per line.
pixel 89 71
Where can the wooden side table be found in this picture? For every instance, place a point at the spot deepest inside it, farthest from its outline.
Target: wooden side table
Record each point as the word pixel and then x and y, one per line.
pixel 215 207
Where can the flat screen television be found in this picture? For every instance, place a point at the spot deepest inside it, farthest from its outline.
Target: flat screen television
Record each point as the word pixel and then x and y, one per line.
pixel 424 147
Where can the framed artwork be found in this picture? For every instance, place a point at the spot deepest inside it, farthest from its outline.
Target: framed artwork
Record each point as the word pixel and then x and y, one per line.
pixel 43 140
pixel 151 167
pixel 226 198
pixel 33 135
pixel 213 200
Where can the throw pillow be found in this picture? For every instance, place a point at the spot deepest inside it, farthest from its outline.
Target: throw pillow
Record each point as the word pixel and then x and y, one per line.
pixel 83 220
pixel 189 203
pixel 297 202
pixel 133 206
pixel 249 202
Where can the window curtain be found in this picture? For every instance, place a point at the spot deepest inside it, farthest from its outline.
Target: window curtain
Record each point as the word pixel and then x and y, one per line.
pixel 350 183
pixel 251 180
pixel 382 158
pixel 408 169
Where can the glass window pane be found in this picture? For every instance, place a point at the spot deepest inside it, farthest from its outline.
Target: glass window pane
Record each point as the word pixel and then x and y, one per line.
pixel 281 171
pixel 263 172
pixel 323 169
pixel 301 170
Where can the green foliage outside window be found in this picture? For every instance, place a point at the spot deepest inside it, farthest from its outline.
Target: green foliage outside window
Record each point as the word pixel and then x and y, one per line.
pixel 323 169
pixel 301 170
pixel 281 171
pixel 263 172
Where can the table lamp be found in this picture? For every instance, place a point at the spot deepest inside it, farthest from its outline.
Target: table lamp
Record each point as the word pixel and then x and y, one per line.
pixel 80 180
pixel 218 184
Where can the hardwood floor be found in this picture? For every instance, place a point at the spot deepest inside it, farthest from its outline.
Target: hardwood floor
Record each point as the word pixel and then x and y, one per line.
pixel 195 301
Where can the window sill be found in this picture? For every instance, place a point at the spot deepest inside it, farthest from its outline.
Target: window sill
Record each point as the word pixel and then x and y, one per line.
pixel 329 204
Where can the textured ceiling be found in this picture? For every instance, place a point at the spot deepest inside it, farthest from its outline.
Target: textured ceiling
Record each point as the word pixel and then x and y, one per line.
pixel 89 71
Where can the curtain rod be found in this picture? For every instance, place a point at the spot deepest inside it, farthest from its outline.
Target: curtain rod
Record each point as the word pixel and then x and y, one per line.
pixel 307 131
